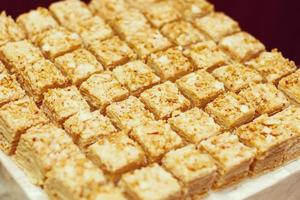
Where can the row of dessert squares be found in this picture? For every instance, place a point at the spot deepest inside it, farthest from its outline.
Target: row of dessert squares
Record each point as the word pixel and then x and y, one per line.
pixel 131 159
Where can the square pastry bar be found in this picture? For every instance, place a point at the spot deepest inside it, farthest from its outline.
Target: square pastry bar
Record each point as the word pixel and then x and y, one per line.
pixel 196 170
pixel 290 85
pixel 15 118
pixel 232 158
pixel 40 148
pixel 117 154
pixel 87 127
pixel 10 31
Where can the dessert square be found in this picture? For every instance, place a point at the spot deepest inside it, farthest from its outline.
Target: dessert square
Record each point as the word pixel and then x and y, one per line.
pixel 56 42
pixel 182 33
pixel 40 148
pixel 241 46
pixel 17 55
pixel 61 103
pixel 200 87
pixel 129 22
pixel 195 169
pixel 142 5
pixel 87 128
pixel 128 113
pixel 93 29
pixel 37 78
pixel 271 137
pixel 10 89
pixel 194 125
pixel 156 138
pixel 148 41
pixel 36 21
pixel 136 76
pixel 70 12
pixel 2 68
pixel 108 9
pixel 265 98
pixel 9 29
pixel 191 9
pixel 169 64
pixel 164 100
pixel 102 89
pixel 237 76
pixel 78 65
pixel 109 191
pixel 112 52
pixel 116 154
pixel 76 177
pixel 16 117
pixel 152 182
pixel 206 55
pixel 217 25
pixel 232 157
pixel 162 12
pixel 291 120
pixel 272 65
pixel 230 110
pixel 290 85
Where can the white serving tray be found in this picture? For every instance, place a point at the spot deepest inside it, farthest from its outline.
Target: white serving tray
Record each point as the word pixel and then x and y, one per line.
pixel 281 184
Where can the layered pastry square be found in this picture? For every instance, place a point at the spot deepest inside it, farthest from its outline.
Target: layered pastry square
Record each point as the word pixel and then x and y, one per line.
pixel 117 154
pixel 162 12
pixel 265 98
pixel 87 127
pixel 217 25
pixel 41 147
pixel 148 41
pixel 200 87
pixel 70 12
pixel 39 77
pixel 17 55
pixel 102 89
pixel 152 182
pixel 9 29
pixel 271 137
pixel 230 110
pixel 156 138
pixel 136 76
pixel 93 29
pixel 169 64
pixel 128 113
pixel 56 42
pixel 129 22
pixel 232 157
pixel 74 178
pixel 61 103
pixel 16 117
pixel 192 9
pixel 182 33
pixel 164 100
pixel 78 65
pixel 36 21
pixel 290 85
pixel 111 52
pixel 206 55
pixel 142 5
pixel 194 169
pixel 241 46
pixel 290 118
pixel 194 125
pixel 237 76
pixel 272 65
pixel 10 89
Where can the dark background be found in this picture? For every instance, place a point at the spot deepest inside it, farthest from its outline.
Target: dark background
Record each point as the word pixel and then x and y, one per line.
pixel 275 22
